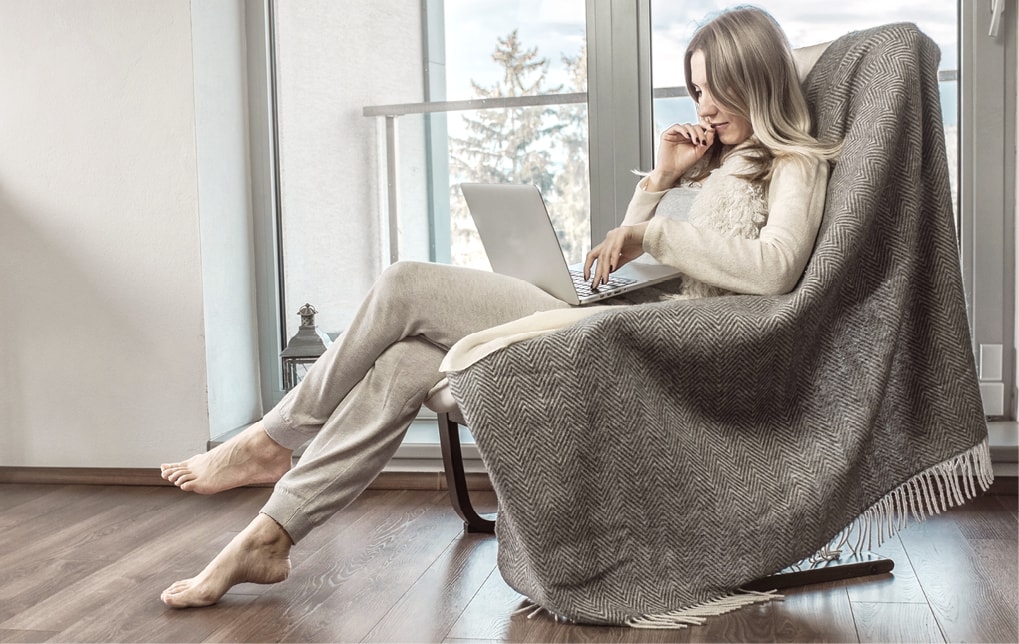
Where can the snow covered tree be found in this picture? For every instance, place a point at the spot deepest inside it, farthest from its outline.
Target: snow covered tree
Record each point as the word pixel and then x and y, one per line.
pixel 522 145
pixel 571 209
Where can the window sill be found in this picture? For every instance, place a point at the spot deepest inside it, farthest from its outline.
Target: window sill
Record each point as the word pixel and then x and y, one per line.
pixel 420 451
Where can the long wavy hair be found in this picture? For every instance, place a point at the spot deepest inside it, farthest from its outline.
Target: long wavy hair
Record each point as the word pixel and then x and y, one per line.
pixel 751 73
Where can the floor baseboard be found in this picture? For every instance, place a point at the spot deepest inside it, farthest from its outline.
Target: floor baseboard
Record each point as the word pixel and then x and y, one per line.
pixel 82 476
pixel 150 477
pixel 1003 485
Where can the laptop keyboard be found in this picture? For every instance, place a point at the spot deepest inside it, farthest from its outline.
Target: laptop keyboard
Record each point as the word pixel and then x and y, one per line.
pixel 584 286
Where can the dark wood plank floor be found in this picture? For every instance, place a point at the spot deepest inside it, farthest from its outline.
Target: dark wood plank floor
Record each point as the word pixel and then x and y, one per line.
pixel 87 564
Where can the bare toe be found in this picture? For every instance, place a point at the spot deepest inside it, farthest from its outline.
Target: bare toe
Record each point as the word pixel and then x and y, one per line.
pixel 259 554
pixel 189 593
pixel 167 470
pixel 250 457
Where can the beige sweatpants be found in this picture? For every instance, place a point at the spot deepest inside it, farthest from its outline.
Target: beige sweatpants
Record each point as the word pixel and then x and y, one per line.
pixel 358 399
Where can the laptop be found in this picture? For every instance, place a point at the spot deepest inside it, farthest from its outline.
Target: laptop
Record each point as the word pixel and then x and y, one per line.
pixel 518 237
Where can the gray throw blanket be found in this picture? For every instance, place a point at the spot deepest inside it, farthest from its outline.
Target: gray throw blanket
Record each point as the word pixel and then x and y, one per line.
pixel 655 458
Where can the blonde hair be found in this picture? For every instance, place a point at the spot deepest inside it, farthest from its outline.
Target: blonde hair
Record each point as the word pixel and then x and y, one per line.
pixel 751 73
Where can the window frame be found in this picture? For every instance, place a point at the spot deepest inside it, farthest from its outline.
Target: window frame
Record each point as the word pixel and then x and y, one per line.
pixel 265 193
pixel 987 136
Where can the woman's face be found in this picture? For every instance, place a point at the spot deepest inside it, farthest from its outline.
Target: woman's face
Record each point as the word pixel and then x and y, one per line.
pixel 731 129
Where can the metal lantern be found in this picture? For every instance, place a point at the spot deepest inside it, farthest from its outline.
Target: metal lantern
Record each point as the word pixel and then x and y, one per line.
pixel 303 349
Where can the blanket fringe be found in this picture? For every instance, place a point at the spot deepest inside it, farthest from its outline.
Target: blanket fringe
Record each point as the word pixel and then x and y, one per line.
pixel 532 610
pixel 933 491
pixel 697 615
pixel 690 616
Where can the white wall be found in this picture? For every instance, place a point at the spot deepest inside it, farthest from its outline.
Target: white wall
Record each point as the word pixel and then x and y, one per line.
pixel 102 324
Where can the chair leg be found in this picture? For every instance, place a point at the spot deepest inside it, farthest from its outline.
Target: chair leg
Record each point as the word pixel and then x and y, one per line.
pixel 456 480
pixel 861 565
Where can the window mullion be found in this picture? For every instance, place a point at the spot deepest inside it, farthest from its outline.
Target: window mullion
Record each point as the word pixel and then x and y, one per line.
pixel 619 105
pixel 265 197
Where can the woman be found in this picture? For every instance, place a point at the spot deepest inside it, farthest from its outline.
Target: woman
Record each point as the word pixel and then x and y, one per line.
pixel 751 231
pixel 740 71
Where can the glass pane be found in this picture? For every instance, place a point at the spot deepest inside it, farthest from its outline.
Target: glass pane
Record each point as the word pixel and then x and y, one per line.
pixel 333 59
pixel 529 48
pixel 672 24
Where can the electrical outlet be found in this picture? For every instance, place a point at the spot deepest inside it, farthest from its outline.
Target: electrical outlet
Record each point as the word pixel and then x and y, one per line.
pixel 990 361
pixel 993 395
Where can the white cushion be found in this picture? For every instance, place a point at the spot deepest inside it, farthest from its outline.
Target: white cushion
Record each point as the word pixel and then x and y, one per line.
pixel 440 398
pixel 805 57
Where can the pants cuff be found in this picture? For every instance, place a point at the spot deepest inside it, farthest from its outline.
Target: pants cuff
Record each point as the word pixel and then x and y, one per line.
pixel 280 431
pixel 284 508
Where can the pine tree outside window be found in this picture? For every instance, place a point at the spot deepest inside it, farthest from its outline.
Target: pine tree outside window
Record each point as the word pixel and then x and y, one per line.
pixel 546 146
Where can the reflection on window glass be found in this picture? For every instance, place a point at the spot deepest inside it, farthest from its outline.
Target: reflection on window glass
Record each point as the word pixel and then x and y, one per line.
pixel 331 60
pixel 496 49
pixel 672 24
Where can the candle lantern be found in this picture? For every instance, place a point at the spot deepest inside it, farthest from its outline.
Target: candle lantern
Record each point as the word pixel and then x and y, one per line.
pixel 303 349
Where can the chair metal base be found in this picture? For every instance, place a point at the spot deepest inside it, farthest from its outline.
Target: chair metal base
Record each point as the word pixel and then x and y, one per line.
pixel 845 567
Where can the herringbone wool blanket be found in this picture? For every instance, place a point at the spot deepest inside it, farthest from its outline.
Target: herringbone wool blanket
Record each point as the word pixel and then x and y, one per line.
pixel 651 459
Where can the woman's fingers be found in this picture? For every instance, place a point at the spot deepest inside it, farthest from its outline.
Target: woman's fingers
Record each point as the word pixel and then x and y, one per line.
pixel 693 133
pixel 602 268
pixel 592 256
pixel 606 257
pixel 600 259
pixel 601 276
pixel 709 137
pixel 620 246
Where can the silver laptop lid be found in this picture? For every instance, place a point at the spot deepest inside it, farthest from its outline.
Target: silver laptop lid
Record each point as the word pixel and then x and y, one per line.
pixel 518 236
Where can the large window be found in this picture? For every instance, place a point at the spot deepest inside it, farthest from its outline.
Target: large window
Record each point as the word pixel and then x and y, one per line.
pixel 379 120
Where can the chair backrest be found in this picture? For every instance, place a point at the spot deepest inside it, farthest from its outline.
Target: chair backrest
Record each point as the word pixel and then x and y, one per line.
pixel 877 91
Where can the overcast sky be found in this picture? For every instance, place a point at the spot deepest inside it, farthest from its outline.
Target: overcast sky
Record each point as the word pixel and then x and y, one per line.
pixel 556 27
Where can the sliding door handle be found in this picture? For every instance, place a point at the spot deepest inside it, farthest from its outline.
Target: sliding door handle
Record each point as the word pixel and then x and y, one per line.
pixel 997 8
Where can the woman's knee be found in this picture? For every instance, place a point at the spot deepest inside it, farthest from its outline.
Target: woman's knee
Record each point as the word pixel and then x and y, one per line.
pixel 395 279
pixel 403 269
pixel 403 273
pixel 412 280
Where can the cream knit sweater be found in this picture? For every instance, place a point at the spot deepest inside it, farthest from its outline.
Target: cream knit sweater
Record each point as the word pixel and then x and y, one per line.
pixel 738 237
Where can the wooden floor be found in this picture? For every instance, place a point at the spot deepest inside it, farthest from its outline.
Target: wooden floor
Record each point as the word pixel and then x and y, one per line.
pixel 87 563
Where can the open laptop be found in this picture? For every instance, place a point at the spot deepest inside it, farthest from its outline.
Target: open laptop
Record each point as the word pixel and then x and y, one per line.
pixel 518 236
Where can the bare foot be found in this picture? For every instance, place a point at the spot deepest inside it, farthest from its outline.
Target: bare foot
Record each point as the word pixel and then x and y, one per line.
pixel 260 554
pixel 247 458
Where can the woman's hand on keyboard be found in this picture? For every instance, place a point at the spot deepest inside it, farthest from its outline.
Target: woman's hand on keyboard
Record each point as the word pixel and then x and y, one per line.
pixel 621 246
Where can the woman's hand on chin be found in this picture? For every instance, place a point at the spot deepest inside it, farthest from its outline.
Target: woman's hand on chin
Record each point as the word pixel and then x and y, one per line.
pixel 682 145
